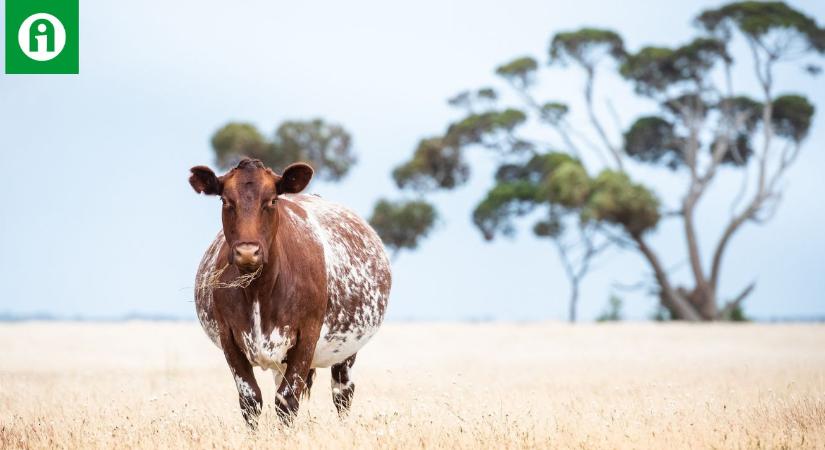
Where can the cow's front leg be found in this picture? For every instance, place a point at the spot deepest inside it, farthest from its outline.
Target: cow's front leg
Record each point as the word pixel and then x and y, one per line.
pixel 298 360
pixel 249 394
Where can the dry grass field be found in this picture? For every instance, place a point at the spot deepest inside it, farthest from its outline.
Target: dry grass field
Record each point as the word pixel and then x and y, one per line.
pixel 163 385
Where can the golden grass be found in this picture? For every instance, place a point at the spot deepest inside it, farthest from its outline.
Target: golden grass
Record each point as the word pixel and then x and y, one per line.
pixel 161 385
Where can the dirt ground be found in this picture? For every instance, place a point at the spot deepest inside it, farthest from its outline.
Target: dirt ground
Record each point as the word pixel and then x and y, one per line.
pixel 164 385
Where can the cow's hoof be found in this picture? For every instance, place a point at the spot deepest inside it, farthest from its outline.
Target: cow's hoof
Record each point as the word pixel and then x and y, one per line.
pixel 342 398
pixel 287 408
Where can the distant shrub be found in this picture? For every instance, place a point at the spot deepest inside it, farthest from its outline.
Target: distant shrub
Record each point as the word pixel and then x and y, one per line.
pixel 737 314
pixel 613 310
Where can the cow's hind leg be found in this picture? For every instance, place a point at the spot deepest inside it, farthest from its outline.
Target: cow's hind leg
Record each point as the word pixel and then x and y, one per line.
pixel 342 386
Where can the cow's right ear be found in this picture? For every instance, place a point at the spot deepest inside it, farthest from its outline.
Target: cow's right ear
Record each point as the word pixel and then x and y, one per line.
pixel 205 181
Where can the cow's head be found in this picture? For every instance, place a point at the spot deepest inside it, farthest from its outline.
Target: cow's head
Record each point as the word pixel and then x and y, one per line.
pixel 249 193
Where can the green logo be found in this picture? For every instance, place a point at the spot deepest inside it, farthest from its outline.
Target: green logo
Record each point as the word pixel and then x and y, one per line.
pixel 42 36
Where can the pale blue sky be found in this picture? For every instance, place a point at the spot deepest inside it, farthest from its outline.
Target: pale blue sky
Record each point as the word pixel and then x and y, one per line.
pixel 98 218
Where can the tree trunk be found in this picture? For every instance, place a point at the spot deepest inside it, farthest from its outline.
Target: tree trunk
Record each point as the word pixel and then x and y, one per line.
pixel 680 308
pixel 574 300
pixel 702 297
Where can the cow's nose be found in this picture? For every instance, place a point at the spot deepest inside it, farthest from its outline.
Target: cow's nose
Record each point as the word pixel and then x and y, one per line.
pixel 248 255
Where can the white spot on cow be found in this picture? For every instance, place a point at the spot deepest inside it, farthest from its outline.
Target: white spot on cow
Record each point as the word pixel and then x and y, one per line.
pixel 243 387
pixel 338 388
pixel 281 399
pixel 265 350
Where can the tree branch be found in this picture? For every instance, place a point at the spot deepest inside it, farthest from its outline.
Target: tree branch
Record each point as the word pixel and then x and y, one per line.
pixel 594 120
pixel 670 297
pixel 695 190
pixel 762 190
pixel 576 271
pixel 533 104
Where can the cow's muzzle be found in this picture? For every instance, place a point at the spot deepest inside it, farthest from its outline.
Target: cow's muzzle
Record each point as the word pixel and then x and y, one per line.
pixel 247 257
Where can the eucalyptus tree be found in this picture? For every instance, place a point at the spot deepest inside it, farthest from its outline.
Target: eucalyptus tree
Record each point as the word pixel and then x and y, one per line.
pixel 327 147
pixel 403 224
pixel 581 192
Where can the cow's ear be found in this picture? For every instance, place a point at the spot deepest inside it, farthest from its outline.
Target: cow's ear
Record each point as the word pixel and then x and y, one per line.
pixel 205 181
pixel 295 178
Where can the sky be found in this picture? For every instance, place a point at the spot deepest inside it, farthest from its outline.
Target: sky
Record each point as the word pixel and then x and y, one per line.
pixel 98 218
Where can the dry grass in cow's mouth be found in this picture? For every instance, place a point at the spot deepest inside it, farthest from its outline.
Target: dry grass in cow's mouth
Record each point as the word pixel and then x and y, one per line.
pixel 213 279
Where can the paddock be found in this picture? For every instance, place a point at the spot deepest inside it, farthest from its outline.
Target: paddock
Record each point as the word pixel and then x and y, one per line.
pixel 435 385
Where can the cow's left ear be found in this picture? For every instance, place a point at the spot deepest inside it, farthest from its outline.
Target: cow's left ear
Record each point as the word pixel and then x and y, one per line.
pixel 295 178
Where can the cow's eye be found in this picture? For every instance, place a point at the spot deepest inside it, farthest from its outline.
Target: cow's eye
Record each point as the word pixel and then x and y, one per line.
pixel 226 203
pixel 273 202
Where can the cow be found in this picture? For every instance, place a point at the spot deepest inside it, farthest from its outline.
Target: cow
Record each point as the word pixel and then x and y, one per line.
pixel 291 283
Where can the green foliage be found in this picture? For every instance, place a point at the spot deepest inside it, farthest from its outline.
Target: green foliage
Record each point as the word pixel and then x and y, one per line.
pixel 616 199
pixel 585 46
pixel 652 139
pixel 327 147
pixel 403 224
pixel 737 314
pixel 487 93
pixel 552 180
pixel 535 169
pixel 544 164
pixel 461 100
pixel 568 185
pixel 743 105
pixel 551 227
pixel 468 99
pixel 560 183
pixel 758 19
pixel 613 311
pixel 686 103
pixel 553 112
pixel 739 142
pixel 475 127
pixel 433 165
pixel 739 150
pixel 655 69
pixel 519 70
pixel 438 163
pixel 236 140
pixel 792 116
pixel 503 202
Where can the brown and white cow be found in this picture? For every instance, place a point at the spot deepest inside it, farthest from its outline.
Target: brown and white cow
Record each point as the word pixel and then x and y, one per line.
pixel 320 284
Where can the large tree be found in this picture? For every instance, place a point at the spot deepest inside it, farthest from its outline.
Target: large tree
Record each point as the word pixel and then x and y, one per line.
pixel 581 192
pixel 327 147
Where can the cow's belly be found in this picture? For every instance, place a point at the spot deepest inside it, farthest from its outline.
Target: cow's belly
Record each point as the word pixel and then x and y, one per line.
pixel 269 351
pixel 335 347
